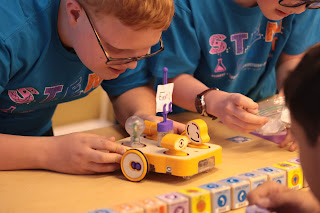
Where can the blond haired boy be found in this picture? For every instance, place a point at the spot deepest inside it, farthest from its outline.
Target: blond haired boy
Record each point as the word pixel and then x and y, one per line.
pixel 55 51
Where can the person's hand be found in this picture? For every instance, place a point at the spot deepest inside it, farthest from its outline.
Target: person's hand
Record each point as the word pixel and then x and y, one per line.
pixel 234 110
pixel 289 139
pixel 178 128
pixel 279 198
pixel 82 153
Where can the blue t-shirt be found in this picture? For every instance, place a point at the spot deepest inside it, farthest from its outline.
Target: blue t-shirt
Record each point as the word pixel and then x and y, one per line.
pixel 36 71
pixel 231 47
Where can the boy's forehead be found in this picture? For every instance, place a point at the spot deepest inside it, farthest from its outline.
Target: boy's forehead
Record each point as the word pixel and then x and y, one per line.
pixel 112 31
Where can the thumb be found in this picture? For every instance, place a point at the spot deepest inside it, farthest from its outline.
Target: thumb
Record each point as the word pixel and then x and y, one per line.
pixel 253 111
pixel 264 202
pixel 277 200
pixel 111 138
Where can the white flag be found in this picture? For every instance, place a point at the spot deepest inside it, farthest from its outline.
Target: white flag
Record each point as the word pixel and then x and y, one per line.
pixel 164 96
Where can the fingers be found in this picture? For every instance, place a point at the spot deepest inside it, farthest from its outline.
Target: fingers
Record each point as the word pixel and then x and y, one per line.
pixel 102 168
pixel 179 128
pixel 103 157
pixel 253 111
pixel 247 117
pixel 249 121
pixel 244 121
pixel 240 114
pixel 289 139
pixel 243 101
pixel 265 194
pixel 111 139
pixel 293 147
pixel 105 144
pixel 277 197
pixel 259 193
pixel 99 161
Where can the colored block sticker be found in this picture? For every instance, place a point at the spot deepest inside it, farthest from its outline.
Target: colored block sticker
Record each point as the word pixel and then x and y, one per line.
pixel 239 139
pixel 220 196
pixel 242 196
pixel 222 200
pixel 105 210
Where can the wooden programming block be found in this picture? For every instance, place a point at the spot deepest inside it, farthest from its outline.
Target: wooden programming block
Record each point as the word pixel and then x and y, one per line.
pixel 175 202
pixel 128 208
pixel 297 161
pixel 255 179
pixel 153 205
pixel 293 173
pixel 220 196
pixel 199 199
pixel 239 190
pixel 274 174
pixel 104 210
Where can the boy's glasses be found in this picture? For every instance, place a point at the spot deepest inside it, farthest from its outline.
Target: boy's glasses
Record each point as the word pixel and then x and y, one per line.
pixel 310 4
pixel 120 61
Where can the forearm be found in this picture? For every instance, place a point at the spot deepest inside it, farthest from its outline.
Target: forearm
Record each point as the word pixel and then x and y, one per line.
pixel 21 152
pixel 186 88
pixel 137 101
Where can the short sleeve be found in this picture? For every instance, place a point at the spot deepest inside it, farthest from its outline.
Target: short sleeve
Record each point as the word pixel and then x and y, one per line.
pixel 182 50
pixel 4 66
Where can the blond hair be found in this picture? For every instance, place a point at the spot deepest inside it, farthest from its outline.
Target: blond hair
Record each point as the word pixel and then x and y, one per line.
pixel 139 14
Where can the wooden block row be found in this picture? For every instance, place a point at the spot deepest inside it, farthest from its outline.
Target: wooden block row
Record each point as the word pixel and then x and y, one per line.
pixel 216 197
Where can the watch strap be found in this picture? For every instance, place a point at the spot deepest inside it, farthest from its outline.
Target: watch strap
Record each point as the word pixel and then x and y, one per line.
pixel 200 104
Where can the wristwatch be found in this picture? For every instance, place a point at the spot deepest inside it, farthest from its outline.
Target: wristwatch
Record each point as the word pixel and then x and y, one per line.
pixel 200 104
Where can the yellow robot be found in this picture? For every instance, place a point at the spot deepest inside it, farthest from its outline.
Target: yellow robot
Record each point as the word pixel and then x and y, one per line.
pixel 179 155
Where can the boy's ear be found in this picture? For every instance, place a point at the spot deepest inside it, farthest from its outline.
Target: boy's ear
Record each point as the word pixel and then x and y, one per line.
pixel 73 10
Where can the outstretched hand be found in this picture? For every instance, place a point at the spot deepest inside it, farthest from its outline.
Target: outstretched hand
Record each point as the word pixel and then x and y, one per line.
pixel 276 197
pixel 82 153
pixel 289 139
pixel 235 110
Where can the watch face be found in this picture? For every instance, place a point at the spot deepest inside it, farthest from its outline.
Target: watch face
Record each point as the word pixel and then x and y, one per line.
pixel 201 105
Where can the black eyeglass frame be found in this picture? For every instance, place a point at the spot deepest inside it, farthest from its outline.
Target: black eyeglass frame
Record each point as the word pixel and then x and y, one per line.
pixel 307 3
pixel 122 60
